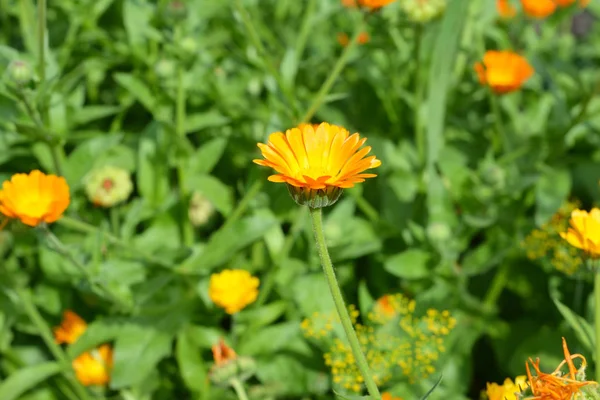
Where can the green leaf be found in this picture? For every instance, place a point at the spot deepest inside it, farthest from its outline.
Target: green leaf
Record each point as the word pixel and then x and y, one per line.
pixel 225 243
pixel 27 378
pixel 219 194
pixel 191 364
pixel 152 177
pixel 291 376
pixel 258 317
pixel 138 349
pixel 88 114
pixel 82 159
pixel 207 156
pixel 199 121
pixel 98 332
pixel 138 89
pixel 410 264
pixel 435 385
pixel 551 190
pixel 582 328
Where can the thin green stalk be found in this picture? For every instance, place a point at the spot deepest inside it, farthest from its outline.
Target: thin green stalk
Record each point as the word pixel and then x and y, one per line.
pixel 46 335
pixel 498 283
pixel 597 318
pixel 255 39
pixel 419 131
pixel 243 204
pixel 336 294
pixel 305 29
pixel 502 139
pixel 115 222
pixel 239 389
pixel 335 72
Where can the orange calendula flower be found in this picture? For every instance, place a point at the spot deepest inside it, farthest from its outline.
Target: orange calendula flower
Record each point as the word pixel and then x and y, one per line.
pixel 584 232
pixel 508 390
pixel 34 198
pixel 557 385
pixel 70 329
pixel 384 306
pixel 505 8
pixel 388 396
pixel 538 8
pixel 222 353
pixel 503 71
pixel 317 164
pixel 233 289
pixel 93 368
pixel 374 4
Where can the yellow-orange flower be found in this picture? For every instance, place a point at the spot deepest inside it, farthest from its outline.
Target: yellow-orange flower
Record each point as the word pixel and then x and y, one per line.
pixel 71 327
pixel 584 232
pixel 34 198
pixel 508 390
pixel 505 8
pixel 557 385
pixel 373 4
pixel 93 368
pixel 233 289
pixel 388 396
pixel 538 8
pixel 503 71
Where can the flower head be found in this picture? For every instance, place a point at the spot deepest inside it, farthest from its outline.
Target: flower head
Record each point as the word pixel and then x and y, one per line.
pixel 374 4
pixel 538 8
pixel 222 353
pixel 233 289
pixel 34 198
pixel 93 368
pixel 423 11
pixel 508 390
pixel 503 71
pixel 584 232
pixel 229 366
pixel 71 327
pixel 388 396
pixel 200 209
pixel 505 9
pixel 317 163
pixel 108 186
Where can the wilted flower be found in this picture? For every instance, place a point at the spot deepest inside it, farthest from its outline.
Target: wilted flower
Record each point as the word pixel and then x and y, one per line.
pixel 93 367
pixel 108 186
pixel 34 198
pixel 233 289
pixel 503 71
pixel 584 232
pixel 20 72
pixel 423 10
pixel 228 365
pixel 538 8
pixel 71 327
pixel 508 390
pixel 200 210
pixel 505 8
pixel 317 164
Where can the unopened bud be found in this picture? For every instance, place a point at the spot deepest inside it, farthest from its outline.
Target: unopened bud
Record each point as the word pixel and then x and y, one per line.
pixel 229 366
pixel 164 68
pixel 423 11
pixel 200 210
pixel 20 72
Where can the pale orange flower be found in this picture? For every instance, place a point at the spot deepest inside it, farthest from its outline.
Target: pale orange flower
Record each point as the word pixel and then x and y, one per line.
pixel 503 71
pixel 374 4
pixel 557 385
pixel 349 3
pixel 343 39
pixel 584 232
pixel 70 329
pixel 538 8
pixel 505 8
pixel 93 368
pixel 34 198
pixel 384 306
pixel 388 396
pixel 566 3
pixel 222 353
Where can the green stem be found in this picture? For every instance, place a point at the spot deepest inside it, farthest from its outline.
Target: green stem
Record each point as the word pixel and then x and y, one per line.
pixel 498 283
pixel 597 318
pixel 335 72
pixel 114 219
pixel 243 204
pixel 502 140
pixel 239 389
pixel 419 132
pixel 41 14
pixel 46 335
pixel 187 231
pixel 340 306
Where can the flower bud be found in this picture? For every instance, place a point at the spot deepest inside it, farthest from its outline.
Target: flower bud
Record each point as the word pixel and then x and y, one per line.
pixel 228 365
pixel 176 10
pixel 200 210
pixel 164 68
pixel 20 72
pixel 438 232
pixel 108 186
pixel 423 11
pixel 315 198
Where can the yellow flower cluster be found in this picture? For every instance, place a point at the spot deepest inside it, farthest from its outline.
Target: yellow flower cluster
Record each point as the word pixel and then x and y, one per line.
pixel 508 390
pixel 546 243
pixel 395 341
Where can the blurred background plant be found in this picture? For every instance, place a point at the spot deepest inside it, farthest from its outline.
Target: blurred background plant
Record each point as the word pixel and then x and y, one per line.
pixel 176 94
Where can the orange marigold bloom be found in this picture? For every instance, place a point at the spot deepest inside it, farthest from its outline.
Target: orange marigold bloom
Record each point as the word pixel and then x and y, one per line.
pixel 584 232
pixel 503 71
pixel 70 329
pixel 505 8
pixel 388 396
pixel 34 198
pixel 557 386
pixel 93 368
pixel 373 4
pixel 222 353
pixel 538 8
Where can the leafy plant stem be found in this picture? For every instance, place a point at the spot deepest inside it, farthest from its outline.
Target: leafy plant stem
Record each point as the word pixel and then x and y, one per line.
pixel 114 219
pixel 419 132
pixel 497 286
pixel 335 72
pixel 239 389
pixel 46 335
pixel 597 318
pixel 336 294
pixel 502 138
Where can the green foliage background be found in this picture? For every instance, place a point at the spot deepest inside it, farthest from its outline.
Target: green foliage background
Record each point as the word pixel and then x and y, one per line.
pixel 458 190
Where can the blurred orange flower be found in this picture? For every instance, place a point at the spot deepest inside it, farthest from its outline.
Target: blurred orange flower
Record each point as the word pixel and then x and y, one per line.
pixel 566 3
pixel 388 396
pixel 505 8
pixel 373 4
pixel 71 327
pixel 584 232
pixel 222 353
pixel 538 8
pixel 343 39
pixel 93 367
pixel 503 71
pixel 349 3
pixel 34 198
